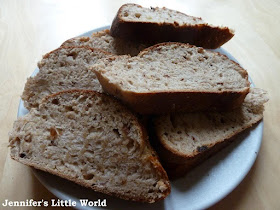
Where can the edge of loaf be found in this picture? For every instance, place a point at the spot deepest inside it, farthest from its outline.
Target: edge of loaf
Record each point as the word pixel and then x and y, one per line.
pixel 201 34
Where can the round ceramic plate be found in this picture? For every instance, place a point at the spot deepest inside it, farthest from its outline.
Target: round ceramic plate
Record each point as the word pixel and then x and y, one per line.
pixel 199 189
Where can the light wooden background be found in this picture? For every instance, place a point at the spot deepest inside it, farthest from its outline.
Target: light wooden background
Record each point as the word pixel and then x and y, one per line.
pixel 29 29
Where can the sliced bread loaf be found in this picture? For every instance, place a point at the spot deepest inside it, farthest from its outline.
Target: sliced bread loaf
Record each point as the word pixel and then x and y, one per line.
pixel 185 140
pixel 156 25
pixel 62 69
pixel 103 40
pixel 93 140
pixel 172 77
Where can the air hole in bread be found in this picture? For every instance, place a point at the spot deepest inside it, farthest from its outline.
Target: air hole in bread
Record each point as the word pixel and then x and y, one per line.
pixel 186 57
pixel 61 64
pixel 55 101
pixel 52 143
pixel 22 155
pixel 17 138
pixel 69 108
pixel 130 145
pixel 73 55
pixel 150 191
pixel 82 99
pixel 138 15
pixel 88 176
pixel 125 14
pixel 116 131
pixel 220 75
pixel 28 138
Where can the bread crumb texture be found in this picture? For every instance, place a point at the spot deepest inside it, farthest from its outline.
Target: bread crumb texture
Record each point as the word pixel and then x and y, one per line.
pixel 93 140
pixel 62 69
pixel 174 67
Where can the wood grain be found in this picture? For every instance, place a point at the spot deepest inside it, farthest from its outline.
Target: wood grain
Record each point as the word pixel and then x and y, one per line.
pixel 29 29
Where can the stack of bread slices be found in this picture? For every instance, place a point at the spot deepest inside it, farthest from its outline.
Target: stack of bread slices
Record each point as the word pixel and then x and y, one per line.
pixel 88 101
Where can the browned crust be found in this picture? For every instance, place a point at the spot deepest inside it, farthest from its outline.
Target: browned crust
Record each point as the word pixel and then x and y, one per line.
pixel 152 157
pixel 178 164
pixel 76 47
pixel 202 35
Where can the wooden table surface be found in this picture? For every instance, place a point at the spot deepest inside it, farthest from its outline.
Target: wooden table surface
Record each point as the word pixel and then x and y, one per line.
pixel 29 29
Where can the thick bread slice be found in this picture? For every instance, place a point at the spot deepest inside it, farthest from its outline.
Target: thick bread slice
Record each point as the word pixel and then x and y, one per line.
pixel 62 69
pixel 185 140
pixel 103 40
pixel 172 77
pixel 156 25
pixel 93 140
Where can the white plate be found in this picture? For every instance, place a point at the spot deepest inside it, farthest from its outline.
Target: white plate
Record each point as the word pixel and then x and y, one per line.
pixel 201 188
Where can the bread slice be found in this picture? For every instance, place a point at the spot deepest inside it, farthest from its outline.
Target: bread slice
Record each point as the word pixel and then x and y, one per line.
pixel 103 40
pixel 62 69
pixel 156 25
pixel 185 140
pixel 172 77
pixel 91 139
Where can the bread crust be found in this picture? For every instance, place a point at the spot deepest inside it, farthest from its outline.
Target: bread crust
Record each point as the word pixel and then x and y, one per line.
pixel 145 147
pixel 203 35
